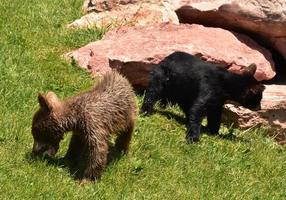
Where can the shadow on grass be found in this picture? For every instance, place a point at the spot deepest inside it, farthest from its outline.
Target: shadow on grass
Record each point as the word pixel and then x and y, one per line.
pixel 169 115
pixel 75 169
pixel 182 120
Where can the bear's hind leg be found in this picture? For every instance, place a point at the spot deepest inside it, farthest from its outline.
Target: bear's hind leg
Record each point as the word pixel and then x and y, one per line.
pixel 123 140
pixel 214 119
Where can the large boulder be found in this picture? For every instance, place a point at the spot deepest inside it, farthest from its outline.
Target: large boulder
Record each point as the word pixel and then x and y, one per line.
pixel 129 14
pixel 264 19
pixel 271 115
pixel 136 50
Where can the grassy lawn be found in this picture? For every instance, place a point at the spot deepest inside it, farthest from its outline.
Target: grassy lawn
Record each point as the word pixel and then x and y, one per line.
pixel 160 165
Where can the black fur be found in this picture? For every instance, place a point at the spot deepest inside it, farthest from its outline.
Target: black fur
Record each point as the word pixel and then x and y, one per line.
pixel 200 89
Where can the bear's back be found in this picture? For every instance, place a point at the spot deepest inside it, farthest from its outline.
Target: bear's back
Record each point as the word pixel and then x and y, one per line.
pixel 110 101
pixel 185 65
pixel 188 75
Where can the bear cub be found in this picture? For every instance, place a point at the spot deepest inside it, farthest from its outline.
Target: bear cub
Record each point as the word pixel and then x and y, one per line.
pixel 110 107
pixel 200 89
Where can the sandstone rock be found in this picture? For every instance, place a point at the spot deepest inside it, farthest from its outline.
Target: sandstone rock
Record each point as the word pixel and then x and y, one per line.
pixel 136 50
pixel 266 19
pixel 130 14
pixel 272 114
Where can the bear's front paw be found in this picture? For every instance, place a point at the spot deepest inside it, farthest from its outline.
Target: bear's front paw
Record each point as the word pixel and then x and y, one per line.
pixel 205 129
pixel 145 112
pixel 85 181
pixel 192 139
pixel 91 174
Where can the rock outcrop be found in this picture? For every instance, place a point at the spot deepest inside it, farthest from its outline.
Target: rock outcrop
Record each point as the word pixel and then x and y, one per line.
pixel 136 50
pixel 264 19
pixel 132 14
pixel 272 113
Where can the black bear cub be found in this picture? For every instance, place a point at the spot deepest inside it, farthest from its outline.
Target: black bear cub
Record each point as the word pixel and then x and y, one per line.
pixel 200 89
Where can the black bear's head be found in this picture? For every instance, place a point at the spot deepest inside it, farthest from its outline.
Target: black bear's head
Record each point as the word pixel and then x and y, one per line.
pixel 251 96
pixel 251 93
pixel 46 127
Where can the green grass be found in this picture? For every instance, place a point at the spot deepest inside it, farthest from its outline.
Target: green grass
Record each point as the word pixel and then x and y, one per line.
pixel 160 165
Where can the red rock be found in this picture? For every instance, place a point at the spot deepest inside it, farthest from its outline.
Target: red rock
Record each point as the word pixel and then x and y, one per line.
pixel 130 14
pixel 272 115
pixel 266 19
pixel 136 50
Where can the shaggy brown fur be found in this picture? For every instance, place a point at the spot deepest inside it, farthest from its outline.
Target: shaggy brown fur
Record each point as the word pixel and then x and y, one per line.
pixel 108 108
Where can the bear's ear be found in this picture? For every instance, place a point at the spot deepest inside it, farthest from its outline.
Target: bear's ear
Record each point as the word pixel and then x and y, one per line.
pixel 250 70
pixel 42 101
pixel 48 102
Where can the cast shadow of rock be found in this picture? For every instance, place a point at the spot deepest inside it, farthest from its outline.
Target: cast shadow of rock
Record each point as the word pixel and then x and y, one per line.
pixel 76 171
pixel 181 120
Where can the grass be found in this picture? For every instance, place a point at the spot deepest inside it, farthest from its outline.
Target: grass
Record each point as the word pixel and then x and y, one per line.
pixel 160 165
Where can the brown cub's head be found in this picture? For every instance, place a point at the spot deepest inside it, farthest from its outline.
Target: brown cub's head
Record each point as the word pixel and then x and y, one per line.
pixel 251 95
pixel 46 127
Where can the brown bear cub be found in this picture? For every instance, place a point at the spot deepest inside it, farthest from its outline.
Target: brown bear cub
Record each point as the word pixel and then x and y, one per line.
pixel 110 107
